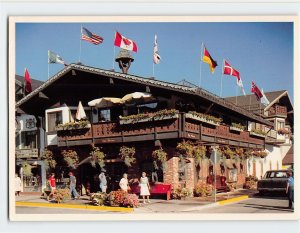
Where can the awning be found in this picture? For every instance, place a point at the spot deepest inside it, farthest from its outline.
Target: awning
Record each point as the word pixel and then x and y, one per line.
pixel 104 102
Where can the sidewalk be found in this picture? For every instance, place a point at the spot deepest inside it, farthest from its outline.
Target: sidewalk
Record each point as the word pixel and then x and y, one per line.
pixel 156 205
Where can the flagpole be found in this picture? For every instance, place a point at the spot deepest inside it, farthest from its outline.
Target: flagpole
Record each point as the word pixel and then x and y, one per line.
pixel 236 93
pixel 222 79
pixel 80 42
pixel 201 64
pixel 153 69
pixel 48 63
pixel 113 61
pixel 250 102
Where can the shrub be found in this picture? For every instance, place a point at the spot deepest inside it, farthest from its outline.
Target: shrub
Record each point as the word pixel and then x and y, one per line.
pixel 131 200
pixel 117 198
pixel 98 199
pixel 61 195
pixel 203 189
pixel 181 193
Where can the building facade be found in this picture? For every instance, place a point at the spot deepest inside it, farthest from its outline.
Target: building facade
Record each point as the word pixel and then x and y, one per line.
pixel 177 119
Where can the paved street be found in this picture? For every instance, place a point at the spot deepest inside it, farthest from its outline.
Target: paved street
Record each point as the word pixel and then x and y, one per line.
pixel 254 204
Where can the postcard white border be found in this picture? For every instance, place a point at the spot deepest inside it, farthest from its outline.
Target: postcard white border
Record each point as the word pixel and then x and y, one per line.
pixel 160 217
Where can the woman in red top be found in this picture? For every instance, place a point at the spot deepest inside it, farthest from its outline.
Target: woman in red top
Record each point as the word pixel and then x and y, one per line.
pixel 52 185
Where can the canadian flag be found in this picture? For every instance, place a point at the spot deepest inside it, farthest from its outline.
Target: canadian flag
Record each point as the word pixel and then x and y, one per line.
pixel 124 43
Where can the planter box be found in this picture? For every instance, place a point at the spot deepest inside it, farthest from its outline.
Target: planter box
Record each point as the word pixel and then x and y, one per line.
pixel 197 118
pixel 235 129
pixel 256 134
pixel 134 121
pixel 168 117
pixel 88 126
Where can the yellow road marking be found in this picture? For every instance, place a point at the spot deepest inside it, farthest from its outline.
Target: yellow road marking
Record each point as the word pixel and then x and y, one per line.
pixel 233 200
pixel 70 206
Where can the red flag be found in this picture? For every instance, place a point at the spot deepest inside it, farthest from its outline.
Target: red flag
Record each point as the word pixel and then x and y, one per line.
pixel 230 71
pixel 28 87
pixel 256 91
pixel 124 43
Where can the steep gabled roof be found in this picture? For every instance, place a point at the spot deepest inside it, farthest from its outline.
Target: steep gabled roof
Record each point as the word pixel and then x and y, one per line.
pixel 289 157
pixel 252 104
pixel 148 82
pixel 34 82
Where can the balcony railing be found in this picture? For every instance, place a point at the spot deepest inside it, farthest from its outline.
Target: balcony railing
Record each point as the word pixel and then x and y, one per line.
pixel 278 110
pixel 180 127
pixel 26 153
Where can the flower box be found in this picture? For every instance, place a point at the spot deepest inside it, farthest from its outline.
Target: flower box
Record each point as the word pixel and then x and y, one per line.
pixel 75 127
pixel 202 119
pixel 134 121
pixel 235 129
pixel 166 117
pixel 257 134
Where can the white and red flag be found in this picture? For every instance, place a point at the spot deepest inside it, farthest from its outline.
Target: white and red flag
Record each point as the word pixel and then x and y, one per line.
pixel 256 91
pixel 28 87
pixel 156 56
pixel 229 70
pixel 124 43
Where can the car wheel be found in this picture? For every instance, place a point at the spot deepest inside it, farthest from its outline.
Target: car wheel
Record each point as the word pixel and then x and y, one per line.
pixel 261 193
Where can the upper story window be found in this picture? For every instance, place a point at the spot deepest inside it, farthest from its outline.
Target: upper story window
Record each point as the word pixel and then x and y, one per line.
pixel 280 125
pixel 26 140
pixel 54 119
pixel 104 115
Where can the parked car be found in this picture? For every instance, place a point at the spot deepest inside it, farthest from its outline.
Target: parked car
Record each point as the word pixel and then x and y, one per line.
pixel 273 181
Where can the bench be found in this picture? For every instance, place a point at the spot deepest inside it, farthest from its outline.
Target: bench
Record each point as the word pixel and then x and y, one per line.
pixel 155 188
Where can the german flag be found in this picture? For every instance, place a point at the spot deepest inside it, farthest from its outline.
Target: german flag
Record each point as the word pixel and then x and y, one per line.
pixel 208 59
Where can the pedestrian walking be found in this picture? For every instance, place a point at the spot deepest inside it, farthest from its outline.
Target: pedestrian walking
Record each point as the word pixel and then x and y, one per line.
pixel 103 182
pixel 290 189
pixel 145 187
pixel 73 186
pixel 124 183
pixel 17 185
pixel 52 184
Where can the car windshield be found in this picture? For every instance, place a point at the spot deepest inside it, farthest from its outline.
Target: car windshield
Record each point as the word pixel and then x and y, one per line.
pixel 276 174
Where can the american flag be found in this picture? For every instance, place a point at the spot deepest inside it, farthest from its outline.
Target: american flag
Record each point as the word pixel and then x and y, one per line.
pixel 90 37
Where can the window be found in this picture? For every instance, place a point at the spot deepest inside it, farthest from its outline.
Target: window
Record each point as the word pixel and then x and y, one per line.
pixel 54 119
pixel 104 115
pixel 280 175
pixel 27 140
pixel 280 125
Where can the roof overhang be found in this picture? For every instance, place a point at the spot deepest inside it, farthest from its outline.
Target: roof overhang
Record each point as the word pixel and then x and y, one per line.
pixel 198 92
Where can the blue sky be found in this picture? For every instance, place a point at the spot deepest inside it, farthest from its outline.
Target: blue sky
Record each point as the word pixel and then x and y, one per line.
pixel 262 52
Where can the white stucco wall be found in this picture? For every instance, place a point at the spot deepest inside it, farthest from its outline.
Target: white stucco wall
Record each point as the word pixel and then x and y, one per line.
pixel 273 161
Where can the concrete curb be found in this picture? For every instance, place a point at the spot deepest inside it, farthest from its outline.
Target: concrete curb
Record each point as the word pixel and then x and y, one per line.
pixel 73 206
pixel 231 200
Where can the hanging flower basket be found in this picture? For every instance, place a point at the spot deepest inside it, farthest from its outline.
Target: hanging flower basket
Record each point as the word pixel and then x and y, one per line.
pixel 97 156
pixel 127 155
pixel 71 158
pixel 47 158
pixel 161 156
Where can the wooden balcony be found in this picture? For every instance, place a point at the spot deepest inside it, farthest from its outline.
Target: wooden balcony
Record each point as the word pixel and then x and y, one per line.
pixel 278 110
pixel 176 128
pixel 27 153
